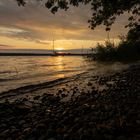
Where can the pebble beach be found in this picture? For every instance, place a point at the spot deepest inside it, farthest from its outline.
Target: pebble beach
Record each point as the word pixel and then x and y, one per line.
pixel 102 107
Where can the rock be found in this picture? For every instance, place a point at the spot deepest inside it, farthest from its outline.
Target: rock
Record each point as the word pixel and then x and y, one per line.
pixel 9 139
pixel 25 125
pixel 89 84
pixel 22 122
pixel 22 137
pixel 36 97
pixel 93 106
pixel 3 125
pixel 138 121
pixel 63 95
pixel 14 130
pixel 43 137
pixel 98 137
pixel 51 138
pixel 136 137
pixel 63 89
pixel 24 99
pixel 22 109
pixel 84 137
pixel 5 132
pixel 50 133
pixel 27 130
pixel 121 138
pixel 59 91
pixel 91 124
pixel 41 126
pixel 76 119
pixel 108 137
pixel 66 136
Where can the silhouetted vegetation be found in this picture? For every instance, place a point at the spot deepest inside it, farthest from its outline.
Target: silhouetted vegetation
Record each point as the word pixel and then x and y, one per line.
pixel 105 12
pixel 128 48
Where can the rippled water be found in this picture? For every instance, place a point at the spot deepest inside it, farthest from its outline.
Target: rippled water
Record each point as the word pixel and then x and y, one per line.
pixel 17 71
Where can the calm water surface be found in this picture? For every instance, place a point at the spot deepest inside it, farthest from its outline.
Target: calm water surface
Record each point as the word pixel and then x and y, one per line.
pixel 17 71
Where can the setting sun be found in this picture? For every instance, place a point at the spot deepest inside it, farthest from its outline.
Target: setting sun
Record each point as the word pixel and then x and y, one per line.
pixel 59 49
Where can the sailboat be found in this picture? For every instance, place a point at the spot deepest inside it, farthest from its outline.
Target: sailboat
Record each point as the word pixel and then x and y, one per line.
pixel 54 52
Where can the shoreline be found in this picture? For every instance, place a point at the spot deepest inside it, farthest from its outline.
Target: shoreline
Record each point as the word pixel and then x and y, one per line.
pixel 38 86
pixel 42 54
pixel 111 112
pixel 56 84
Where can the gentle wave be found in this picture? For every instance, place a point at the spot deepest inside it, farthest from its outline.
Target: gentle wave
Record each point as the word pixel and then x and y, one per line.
pixel 4 80
pixel 32 87
pixel 6 72
pixel 21 71
pixel 48 65
pixel 36 75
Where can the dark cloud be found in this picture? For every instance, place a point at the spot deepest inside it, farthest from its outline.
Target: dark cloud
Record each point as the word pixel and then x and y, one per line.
pixel 34 22
pixel 3 46
pixel 43 43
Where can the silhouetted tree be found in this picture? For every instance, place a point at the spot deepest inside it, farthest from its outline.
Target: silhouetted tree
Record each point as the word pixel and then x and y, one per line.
pixel 134 34
pixel 104 11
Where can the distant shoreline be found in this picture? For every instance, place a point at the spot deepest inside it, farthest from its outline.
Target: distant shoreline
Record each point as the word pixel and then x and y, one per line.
pixel 39 54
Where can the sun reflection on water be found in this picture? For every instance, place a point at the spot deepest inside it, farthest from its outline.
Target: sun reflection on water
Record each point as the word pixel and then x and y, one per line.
pixel 60 66
pixel 20 71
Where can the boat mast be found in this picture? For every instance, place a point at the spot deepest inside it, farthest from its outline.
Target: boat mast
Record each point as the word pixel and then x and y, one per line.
pixel 82 51
pixel 53 46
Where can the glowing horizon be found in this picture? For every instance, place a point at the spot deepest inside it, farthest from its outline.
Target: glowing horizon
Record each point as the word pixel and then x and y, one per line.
pixel 34 27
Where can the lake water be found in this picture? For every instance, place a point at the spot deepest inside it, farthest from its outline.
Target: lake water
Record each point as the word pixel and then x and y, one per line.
pixel 18 71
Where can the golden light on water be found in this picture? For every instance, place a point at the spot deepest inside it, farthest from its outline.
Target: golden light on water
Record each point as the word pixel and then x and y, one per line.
pixel 60 66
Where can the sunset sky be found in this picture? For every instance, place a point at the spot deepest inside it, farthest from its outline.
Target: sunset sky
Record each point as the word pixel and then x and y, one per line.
pixel 34 27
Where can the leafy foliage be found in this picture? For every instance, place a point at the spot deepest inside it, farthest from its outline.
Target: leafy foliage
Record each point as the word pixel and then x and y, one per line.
pixel 104 11
pixel 134 34
pixel 104 52
pixel 128 49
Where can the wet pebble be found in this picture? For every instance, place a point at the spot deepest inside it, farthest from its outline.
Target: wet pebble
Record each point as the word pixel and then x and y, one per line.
pixel 22 122
pixel 27 130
